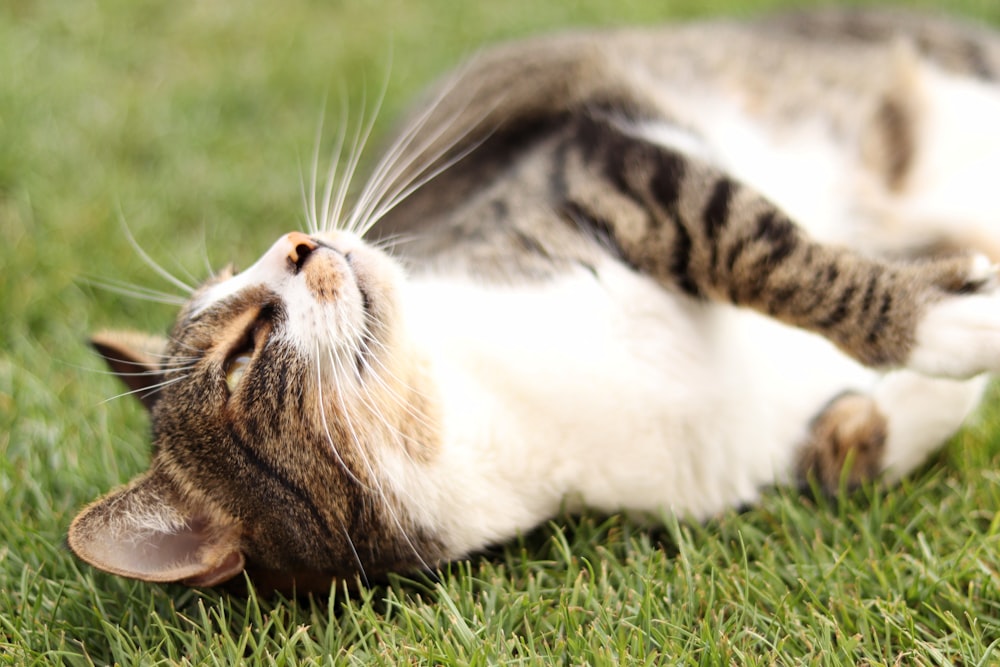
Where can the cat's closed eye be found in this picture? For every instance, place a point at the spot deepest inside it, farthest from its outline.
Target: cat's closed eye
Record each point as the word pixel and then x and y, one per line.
pixel 242 351
pixel 235 367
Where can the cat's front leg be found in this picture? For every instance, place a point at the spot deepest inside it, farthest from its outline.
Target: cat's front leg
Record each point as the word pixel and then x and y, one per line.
pixel 696 230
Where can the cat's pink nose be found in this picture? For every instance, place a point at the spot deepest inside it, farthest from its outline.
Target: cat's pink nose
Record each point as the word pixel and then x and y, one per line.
pixel 301 247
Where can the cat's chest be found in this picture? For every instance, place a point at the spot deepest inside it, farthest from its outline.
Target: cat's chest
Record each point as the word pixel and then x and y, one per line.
pixel 582 382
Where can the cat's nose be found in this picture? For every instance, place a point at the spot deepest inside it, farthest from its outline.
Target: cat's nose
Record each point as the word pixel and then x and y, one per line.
pixel 301 247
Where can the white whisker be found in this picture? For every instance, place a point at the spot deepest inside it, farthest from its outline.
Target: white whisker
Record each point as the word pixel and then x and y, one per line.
pixel 354 552
pixel 421 179
pixel 333 205
pixel 370 358
pixel 152 389
pixel 209 271
pixel 136 291
pixel 362 452
pixel 309 200
pixel 163 273
pixel 361 137
pixel 326 426
pixel 389 243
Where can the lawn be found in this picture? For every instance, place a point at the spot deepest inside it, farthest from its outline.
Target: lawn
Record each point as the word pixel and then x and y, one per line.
pixel 193 124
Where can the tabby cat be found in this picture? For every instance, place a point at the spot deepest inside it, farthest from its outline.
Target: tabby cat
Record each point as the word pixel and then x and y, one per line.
pixel 654 270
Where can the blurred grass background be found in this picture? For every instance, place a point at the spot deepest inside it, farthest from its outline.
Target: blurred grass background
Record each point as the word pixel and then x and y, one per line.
pixel 194 122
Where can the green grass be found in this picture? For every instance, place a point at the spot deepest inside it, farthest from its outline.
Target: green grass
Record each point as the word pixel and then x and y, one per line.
pixel 193 122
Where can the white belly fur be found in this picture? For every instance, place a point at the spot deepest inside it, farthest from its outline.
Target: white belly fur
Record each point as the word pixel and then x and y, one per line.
pixel 609 393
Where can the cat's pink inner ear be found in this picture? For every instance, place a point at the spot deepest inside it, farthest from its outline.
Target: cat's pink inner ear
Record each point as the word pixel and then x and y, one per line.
pixel 140 532
pixel 135 358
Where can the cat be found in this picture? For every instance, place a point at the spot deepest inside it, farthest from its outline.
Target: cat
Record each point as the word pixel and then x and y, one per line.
pixel 656 270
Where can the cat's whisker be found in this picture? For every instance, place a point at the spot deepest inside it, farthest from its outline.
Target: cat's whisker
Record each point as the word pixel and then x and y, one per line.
pixel 333 205
pixel 355 158
pixel 157 268
pixel 363 453
pixel 124 374
pixel 390 160
pixel 401 439
pixel 388 244
pixel 309 200
pixel 354 553
pixel 343 465
pixel 209 270
pixel 363 131
pixel 151 389
pixel 342 383
pixel 368 359
pixel 372 218
pixel 146 373
pixel 198 352
pixel 194 280
pixel 371 402
pixel 382 183
pixel 326 425
pixel 136 291
pixel 383 190
pixel 386 188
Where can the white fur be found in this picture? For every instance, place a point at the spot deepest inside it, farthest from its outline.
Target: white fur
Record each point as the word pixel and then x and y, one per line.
pixel 609 393
pixel 959 337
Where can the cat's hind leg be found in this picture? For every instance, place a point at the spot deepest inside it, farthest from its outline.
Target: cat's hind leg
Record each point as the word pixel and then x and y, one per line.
pixel 885 434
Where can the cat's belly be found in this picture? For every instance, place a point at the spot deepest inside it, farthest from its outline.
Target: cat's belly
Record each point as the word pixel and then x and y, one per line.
pixel 615 394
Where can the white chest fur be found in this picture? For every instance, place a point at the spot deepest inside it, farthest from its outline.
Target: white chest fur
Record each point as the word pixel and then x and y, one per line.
pixel 607 392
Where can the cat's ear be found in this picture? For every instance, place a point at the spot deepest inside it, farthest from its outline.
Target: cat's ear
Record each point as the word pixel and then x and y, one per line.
pixel 144 531
pixel 135 359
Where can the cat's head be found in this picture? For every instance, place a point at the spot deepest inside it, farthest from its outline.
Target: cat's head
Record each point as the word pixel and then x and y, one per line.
pixel 278 402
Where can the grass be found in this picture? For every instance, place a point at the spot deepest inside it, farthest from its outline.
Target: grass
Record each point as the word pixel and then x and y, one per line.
pixel 193 122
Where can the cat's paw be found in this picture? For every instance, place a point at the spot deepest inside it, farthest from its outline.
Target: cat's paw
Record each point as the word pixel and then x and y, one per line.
pixel 958 336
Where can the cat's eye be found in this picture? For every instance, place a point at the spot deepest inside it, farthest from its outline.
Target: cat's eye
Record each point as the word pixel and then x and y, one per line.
pixel 238 361
pixel 241 354
pixel 236 367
